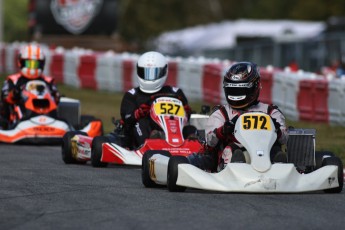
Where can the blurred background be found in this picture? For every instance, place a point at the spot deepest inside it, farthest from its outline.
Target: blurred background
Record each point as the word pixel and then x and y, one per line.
pixel 309 33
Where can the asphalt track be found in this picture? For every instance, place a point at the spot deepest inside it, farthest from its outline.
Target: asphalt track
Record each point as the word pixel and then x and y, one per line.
pixel 38 191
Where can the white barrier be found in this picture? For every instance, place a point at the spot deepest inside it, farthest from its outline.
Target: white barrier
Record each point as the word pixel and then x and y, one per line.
pixel 284 93
pixel 71 64
pixel 189 78
pixel 336 101
pixel 106 74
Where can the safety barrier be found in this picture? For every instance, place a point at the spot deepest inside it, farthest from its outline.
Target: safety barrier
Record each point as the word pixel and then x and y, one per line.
pixel 312 100
pixel 212 83
pixel 87 71
pixel 55 66
pixel 172 72
pixel 336 99
pixel 300 95
pixel 266 84
pixel 189 78
pixel 2 58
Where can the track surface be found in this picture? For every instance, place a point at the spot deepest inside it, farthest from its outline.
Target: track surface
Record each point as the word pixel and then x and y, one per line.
pixel 38 191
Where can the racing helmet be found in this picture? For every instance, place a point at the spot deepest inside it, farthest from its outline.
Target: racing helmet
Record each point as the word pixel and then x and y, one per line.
pixel 152 70
pixel 31 61
pixel 242 85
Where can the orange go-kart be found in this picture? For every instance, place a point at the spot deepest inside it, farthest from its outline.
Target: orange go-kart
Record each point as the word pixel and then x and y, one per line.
pixel 38 119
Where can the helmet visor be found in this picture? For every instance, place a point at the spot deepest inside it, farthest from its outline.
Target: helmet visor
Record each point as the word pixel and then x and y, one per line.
pixel 32 64
pixel 151 73
pixel 238 89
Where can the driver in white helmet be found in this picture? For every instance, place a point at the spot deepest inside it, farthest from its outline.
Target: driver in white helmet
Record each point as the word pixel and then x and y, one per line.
pixel 152 70
pixel 31 62
pixel 242 87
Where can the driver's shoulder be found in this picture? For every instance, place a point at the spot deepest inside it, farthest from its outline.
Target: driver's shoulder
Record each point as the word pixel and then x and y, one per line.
pixel 14 77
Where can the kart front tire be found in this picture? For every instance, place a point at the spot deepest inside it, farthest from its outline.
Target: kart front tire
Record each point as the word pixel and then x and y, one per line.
pixel 96 151
pixel 66 147
pixel 173 173
pixel 146 169
pixel 335 161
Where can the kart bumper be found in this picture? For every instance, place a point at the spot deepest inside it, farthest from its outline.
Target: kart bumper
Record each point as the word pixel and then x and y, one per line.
pixel 236 177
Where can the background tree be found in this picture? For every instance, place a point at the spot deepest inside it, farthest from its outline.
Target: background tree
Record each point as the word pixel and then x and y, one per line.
pixel 15 20
pixel 140 20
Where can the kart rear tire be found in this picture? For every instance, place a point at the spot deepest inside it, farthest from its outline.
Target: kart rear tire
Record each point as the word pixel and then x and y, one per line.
pixel 173 173
pixel 335 161
pixel 319 156
pixel 145 167
pixel 66 147
pixel 96 151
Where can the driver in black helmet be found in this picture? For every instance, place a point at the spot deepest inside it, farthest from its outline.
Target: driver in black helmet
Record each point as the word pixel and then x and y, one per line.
pixel 242 88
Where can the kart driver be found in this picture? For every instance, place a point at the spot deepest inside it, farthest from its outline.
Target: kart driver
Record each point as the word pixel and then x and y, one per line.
pixel 242 87
pixel 152 70
pixel 31 64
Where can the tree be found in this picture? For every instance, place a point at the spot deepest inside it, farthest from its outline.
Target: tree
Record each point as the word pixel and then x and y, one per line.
pixel 15 20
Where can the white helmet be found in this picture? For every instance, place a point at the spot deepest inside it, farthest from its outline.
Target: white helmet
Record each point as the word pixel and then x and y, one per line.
pixel 152 70
pixel 31 61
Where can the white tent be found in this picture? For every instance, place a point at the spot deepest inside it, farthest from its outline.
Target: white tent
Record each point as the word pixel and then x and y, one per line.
pixel 224 34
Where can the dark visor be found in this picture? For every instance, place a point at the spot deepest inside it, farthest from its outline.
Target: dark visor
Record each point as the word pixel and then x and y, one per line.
pixel 151 73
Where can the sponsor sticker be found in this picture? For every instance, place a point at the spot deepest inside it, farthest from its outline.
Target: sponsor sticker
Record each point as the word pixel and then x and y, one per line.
pixel 75 15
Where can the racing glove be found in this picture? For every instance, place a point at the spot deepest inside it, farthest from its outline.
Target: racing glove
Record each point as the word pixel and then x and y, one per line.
pixel 227 129
pixel 142 111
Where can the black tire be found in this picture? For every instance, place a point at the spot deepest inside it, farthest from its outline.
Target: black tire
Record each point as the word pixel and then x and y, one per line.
pixel 96 151
pixel 66 147
pixel 319 155
pixel 335 161
pixel 173 173
pixel 145 167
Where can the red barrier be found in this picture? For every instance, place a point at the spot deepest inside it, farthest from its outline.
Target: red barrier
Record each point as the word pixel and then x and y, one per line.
pixel 172 74
pixel 321 100
pixel 56 67
pixel 3 59
pixel 86 71
pixel 313 100
pixel 128 68
pixel 266 84
pixel 211 83
pixel 15 59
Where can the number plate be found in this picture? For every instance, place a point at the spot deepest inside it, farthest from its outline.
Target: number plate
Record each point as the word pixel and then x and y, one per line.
pixel 258 122
pixel 169 108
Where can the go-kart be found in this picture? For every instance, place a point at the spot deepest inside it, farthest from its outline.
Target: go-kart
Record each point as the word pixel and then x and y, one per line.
pixel 304 171
pixel 37 119
pixel 166 111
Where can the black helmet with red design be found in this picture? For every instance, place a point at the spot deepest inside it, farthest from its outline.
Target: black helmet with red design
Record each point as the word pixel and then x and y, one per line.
pixel 242 85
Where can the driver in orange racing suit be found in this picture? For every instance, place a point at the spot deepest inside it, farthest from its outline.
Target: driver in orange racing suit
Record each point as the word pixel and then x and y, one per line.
pixel 31 62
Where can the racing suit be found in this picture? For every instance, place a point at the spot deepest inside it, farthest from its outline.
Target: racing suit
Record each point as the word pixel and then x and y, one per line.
pixel 137 131
pixel 11 94
pixel 219 149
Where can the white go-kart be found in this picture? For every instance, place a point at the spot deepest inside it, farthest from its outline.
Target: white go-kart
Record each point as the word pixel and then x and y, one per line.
pixel 305 171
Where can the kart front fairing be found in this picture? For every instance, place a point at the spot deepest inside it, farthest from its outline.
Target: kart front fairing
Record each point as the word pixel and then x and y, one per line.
pixel 255 132
pixel 169 114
